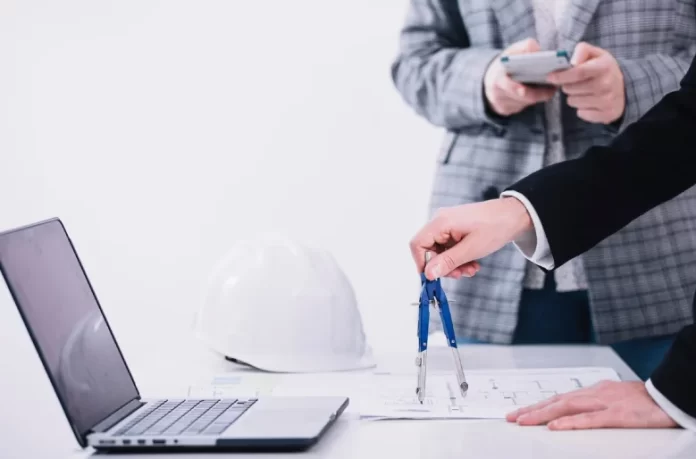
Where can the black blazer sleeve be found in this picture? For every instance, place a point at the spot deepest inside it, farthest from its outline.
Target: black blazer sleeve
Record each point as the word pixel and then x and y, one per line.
pixel 580 202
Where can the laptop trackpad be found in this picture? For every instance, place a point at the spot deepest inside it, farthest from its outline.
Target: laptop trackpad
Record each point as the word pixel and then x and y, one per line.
pixel 285 417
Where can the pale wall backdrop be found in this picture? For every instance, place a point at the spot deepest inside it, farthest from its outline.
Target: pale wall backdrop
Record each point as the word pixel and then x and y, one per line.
pixel 162 132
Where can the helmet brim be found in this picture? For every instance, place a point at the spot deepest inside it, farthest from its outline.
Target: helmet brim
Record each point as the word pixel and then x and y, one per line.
pixel 305 363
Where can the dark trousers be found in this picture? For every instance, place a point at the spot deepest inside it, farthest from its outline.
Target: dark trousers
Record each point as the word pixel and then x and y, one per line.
pixel 550 317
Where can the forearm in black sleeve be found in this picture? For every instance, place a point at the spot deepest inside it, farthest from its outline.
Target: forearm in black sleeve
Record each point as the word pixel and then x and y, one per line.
pixel 582 201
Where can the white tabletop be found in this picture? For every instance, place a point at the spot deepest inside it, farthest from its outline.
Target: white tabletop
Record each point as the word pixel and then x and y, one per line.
pixel 48 435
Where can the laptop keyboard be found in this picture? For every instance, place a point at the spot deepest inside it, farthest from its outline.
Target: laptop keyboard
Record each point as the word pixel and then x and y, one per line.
pixel 186 417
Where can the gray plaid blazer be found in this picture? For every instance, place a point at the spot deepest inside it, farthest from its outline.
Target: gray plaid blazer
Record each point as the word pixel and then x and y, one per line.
pixel 641 280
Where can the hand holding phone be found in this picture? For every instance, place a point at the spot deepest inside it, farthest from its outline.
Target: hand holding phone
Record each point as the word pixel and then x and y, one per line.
pixel 506 96
pixel 594 86
pixel 534 68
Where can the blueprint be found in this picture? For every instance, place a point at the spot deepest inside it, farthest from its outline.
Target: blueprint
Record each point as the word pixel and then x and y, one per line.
pixel 492 393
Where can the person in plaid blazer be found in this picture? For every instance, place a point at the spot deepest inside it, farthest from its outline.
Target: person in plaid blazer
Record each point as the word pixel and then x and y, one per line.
pixel 626 55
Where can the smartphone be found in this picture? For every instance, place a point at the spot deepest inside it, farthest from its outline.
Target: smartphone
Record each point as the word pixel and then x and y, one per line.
pixel 533 68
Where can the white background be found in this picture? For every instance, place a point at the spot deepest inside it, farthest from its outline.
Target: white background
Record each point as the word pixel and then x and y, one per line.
pixel 162 132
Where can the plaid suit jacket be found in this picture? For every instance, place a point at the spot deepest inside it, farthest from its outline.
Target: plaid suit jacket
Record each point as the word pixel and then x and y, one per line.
pixel 641 279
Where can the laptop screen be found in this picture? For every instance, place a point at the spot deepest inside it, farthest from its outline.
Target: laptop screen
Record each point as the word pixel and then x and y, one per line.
pixel 61 312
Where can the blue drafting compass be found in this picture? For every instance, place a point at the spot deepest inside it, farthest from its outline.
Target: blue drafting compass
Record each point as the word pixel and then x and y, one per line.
pixel 433 295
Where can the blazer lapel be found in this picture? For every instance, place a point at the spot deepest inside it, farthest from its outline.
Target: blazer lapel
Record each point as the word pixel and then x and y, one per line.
pixel 577 17
pixel 516 20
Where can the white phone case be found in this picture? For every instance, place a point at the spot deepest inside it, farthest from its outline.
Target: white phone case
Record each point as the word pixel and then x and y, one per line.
pixel 533 68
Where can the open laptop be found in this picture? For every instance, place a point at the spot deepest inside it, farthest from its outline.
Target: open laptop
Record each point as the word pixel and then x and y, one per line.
pixel 94 385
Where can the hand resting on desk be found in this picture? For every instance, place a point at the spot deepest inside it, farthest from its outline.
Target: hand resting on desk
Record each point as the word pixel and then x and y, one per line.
pixel 608 404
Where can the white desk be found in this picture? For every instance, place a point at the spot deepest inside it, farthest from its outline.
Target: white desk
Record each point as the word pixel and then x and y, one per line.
pixel 352 438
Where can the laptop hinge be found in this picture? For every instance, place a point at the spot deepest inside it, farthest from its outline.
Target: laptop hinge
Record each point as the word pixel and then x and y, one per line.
pixel 118 415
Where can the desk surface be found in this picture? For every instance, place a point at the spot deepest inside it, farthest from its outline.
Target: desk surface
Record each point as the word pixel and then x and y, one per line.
pixel 351 438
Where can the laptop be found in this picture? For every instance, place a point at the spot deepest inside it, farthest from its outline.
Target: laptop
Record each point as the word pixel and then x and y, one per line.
pixel 94 384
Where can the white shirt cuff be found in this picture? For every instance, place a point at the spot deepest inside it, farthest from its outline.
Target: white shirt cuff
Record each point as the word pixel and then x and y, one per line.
pixel 533 244
pixel 680 417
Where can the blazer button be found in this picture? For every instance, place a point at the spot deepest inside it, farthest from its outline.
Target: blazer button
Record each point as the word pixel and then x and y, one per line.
pixel 491 193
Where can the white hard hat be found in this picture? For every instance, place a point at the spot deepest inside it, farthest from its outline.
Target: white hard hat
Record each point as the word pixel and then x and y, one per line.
pixel 281 306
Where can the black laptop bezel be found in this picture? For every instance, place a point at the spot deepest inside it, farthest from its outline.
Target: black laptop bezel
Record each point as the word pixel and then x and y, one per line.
pixel 80 436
